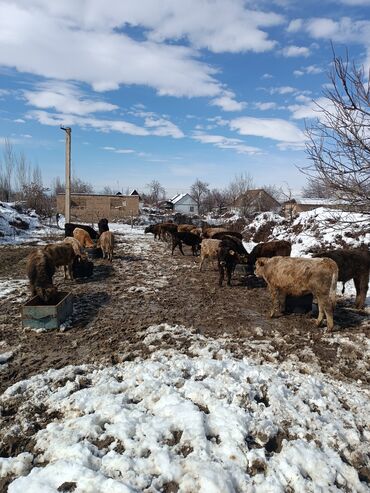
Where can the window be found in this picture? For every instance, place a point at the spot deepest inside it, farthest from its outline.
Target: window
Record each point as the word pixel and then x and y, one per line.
pixel 191 208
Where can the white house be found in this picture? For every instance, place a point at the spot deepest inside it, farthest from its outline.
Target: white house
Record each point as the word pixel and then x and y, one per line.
pixel 184 203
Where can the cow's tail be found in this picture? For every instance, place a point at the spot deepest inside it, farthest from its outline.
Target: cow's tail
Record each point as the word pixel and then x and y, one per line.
pixel 333 288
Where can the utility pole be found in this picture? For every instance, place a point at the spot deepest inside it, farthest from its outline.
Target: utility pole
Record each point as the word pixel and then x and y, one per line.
pixel 67 206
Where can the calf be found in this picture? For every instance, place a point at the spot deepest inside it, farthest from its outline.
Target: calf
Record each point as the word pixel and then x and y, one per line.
pixel 188 238
pixel 166 229
pixel 300 276
pixel 106 243
pixel 70 227
pixel 209 249
pixel 62 254
pixel 352 264
pixel 231 252
pixel 76 245
pixel 83 237
pixel 154 229
pixel 269 249
pixel 40 270
pixel 102 226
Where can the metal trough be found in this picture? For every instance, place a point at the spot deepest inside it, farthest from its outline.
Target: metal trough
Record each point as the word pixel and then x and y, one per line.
pixel 38 315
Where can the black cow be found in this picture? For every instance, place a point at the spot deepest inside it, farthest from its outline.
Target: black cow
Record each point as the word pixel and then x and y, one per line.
pixel 352 264
pixel 188 238
pixel 230 253
pixel 103 226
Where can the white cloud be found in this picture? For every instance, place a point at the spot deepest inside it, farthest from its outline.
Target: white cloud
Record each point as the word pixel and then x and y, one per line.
pixel 20 120
pixel 225 143
pixel 118 150
pixel 265 106
pixel 311 109
pixel 267 76
pixel 227 102
pixel 345 30
pixel 84 41
pixel 310 70
pixel 293 51
pixel 269 128
pixel 295 25
pixel 65 97
pixel 282 90
pixel 163 128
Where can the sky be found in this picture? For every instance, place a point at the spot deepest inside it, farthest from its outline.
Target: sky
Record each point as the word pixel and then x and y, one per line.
pixel 171 90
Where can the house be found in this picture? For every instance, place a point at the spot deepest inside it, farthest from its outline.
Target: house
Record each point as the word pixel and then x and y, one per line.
pixel 184 203
pixel 256 201
pixel 294 207
pixel 90 207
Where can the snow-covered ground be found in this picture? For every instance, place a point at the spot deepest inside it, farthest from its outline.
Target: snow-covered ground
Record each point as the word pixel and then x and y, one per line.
pixel 198 420
pixel 206 423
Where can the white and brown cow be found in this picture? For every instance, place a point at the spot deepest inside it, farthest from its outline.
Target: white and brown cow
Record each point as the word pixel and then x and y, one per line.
pixel 83 237
pixel 106 243
pixel 300 276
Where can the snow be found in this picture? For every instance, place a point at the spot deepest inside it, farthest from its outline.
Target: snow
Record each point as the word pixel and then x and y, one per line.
pixel 208 422
pixel 198 418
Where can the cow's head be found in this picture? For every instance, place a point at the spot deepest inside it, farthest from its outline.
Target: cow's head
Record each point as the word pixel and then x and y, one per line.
pixel 260 266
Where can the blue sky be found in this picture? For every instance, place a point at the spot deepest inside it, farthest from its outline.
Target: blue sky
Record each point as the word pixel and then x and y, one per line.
pixel 171 90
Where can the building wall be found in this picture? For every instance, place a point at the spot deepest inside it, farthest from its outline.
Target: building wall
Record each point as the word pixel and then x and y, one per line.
pixel 91 208
pixel 186 208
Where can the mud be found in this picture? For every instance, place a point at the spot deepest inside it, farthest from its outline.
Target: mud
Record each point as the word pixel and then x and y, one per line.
pixel 146 286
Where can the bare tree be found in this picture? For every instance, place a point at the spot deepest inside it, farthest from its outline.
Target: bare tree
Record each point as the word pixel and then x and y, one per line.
pixel 239 186
pixel 7 169
pixel 22 173
pixel 108 190
pixel 199 191
pixel 339 140
pixel 77 186
pixel 156 191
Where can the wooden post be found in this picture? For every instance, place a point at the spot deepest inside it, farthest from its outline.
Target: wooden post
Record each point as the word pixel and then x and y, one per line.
pixel 67 206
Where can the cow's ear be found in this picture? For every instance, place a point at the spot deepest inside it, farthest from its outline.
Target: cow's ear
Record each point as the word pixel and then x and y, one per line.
pixel 261 263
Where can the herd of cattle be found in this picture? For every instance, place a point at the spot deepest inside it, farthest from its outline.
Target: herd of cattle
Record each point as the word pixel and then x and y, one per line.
pixel 284 275
pixel 69 253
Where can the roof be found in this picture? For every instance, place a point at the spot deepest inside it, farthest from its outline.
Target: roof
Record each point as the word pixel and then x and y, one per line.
pixel 179 197
pixel 315 201
pixel 252 195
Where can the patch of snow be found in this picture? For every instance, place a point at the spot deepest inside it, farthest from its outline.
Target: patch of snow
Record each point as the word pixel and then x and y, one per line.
pixel 209 423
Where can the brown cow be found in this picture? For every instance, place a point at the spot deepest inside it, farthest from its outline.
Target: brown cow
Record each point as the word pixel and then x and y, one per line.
pixel 300 276
pixel 269 249
pixel 166 230
pixel 62 254
pixel 40 270
pixel 76 245
pixel 106 242
pixel 209 232
pixel 185 228
pixel 353 264
pixel 83 237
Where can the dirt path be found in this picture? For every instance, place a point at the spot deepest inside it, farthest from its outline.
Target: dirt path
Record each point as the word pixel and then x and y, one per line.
pixel 146 286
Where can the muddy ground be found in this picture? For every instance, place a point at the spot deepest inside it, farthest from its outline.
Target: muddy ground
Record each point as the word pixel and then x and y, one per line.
pixel 146 286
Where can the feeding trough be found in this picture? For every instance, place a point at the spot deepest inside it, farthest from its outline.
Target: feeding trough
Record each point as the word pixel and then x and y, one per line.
pixel 40 315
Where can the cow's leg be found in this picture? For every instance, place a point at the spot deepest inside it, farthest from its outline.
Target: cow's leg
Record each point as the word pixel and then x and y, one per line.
pixel 229 272
pixel 281 297
pixel 202 259
pixel 180 247
pixel 320 318
pixel 174 245
pixel 274 300
pixel 221 272
pixel 328 308
pixel 70 270
pixel 361 284
pixel 65 272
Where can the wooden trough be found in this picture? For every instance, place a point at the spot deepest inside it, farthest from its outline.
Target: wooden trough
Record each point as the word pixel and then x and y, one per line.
pixel 38 315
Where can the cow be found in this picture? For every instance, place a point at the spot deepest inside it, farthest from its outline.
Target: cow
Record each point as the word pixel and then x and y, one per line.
pixel 352 264
pixel 196 231
pixel 269 249
pixel 62 254
pixel 102 226
pixel 209 232
pixel 83 237
pixel 154 229
pixel 76 245
pixel 106 243
pixel 297 277
pixel 166 229
pixel 181 228
pixel 208 249
pixel 230 253
pixel 221 234
pixel 70 227
pixel 188 238
pixel 40 269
